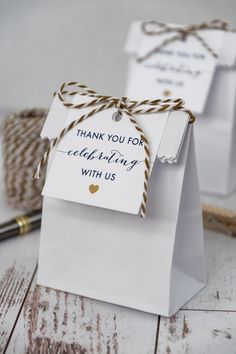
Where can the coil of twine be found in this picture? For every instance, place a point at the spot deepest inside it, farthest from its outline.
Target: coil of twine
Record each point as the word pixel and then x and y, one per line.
pixel 22 147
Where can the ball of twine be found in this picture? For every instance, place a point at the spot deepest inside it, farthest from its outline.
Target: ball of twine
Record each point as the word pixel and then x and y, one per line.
pixel 22 149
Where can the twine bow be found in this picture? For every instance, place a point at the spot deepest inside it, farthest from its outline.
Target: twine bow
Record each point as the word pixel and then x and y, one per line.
pixel 153 28
pixel 99 103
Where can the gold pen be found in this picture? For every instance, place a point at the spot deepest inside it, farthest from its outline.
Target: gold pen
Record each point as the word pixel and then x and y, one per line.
pixel 214 218
pixel 21 225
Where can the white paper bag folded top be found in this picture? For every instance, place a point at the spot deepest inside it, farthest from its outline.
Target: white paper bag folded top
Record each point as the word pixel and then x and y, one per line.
pixel 102 157
pixel 170 70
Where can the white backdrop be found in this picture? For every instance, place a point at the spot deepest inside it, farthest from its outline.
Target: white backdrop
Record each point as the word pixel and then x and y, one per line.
pixel 44 43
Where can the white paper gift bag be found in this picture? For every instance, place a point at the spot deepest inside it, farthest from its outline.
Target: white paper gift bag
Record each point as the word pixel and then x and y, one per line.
pixel 93 242
pixel 207 82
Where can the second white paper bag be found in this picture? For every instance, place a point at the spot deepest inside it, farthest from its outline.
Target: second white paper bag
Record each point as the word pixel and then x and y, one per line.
pixel 207 86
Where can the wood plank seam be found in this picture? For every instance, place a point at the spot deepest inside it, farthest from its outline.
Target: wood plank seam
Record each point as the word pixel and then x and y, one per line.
pixel 208 310
pixel 157 334
pixel 20 309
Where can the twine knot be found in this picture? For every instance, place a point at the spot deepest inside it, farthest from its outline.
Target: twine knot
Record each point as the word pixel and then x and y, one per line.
pixel 121 104
pixel 183 33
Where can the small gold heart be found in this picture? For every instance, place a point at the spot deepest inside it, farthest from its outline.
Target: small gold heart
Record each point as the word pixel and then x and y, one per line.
pixel 93 188
pixel 166 93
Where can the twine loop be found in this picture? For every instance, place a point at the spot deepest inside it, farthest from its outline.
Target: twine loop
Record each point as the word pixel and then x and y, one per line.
pixel 99 103
pixel 153 28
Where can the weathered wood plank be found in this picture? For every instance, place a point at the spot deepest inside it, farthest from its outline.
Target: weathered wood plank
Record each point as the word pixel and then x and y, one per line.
pixel 18 261
pixel 58 322
pixel 198 332
pixel 220 292
pixel 53 319
pixel 18 258
pixel 19 339
pixel 208 331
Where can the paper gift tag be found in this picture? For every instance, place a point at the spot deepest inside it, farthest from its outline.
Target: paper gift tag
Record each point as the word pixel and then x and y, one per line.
pixel 100 162
pixel 181 69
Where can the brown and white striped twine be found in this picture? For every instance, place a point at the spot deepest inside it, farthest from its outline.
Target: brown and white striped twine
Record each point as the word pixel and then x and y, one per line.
pixel 22 146
pixel 100 103
pixel 154 28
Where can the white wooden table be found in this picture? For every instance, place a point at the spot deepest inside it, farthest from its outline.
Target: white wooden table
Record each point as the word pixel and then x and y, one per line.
pixel 35 319
pixel 35 41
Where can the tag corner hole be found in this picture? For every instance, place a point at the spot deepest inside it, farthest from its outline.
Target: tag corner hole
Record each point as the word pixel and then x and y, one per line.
pixel 116 117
